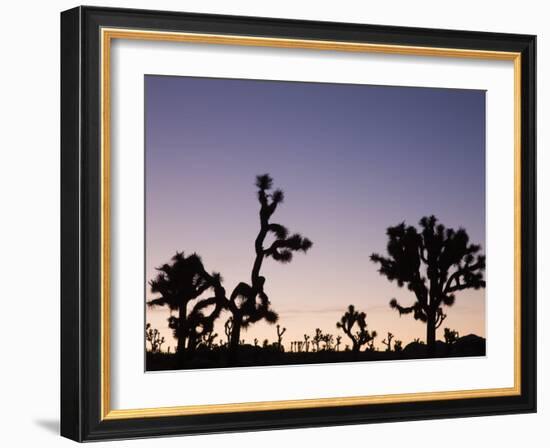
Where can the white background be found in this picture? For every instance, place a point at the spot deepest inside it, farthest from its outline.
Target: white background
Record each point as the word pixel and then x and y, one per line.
pixel 132 388
pixel 29 227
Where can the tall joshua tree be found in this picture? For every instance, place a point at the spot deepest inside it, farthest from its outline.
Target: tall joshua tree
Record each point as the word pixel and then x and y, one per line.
pixel 249 303
pixel 434 263
pixel 359 336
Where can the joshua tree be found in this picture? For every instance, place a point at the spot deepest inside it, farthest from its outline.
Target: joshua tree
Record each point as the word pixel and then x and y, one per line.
pixel 328 339
pixel 178 283
pixel 370 344
pixel 265 343
pixel 255 342
pixel 451 336
pixel 186 279
pixel 152 336
pixel 208 338
pixel 280 332
pixel 249 303
pixel 317 339
pixel 434 263
pixel 228 327
pixel 306 342
pixel 388 342
pixel 358 337
pixel 338 342
pixel 398 346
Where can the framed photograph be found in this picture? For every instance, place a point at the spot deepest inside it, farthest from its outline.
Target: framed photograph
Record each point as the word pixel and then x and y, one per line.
pixel 274 224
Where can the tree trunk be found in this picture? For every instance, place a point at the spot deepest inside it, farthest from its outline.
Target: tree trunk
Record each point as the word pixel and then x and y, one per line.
pixel 430 335
pixel 235 338
pixel 180 348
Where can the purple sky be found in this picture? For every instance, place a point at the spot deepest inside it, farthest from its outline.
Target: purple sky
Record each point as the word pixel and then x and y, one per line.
pixel 352 160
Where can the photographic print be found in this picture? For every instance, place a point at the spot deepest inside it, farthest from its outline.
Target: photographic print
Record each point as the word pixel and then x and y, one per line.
pixel 259 201
pixel 300 222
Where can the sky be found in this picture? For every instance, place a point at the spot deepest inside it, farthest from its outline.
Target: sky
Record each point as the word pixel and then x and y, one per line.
pixel 352 161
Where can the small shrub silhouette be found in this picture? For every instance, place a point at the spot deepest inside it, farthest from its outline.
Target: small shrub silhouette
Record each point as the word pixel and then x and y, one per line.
pixel 317 339
pixel 450 263
pixel 451 336
pixel 152 335
pixel 280 333
pixel 387 342
pixel 359 336
pixel 306 342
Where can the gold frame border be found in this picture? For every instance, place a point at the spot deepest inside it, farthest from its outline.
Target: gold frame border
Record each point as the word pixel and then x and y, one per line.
pixel 107 35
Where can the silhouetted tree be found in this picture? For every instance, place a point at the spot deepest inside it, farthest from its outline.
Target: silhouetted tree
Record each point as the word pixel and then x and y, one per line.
pixel 152 335
pixel 370 345
pixel 306 342
pixel 388 342
pixel 328 339
pixel 228 327
pixel 398 346
pixel 434 263
pixel 317 339
pixel 208 339
pixel 451 336
pixel 359 336
pixel 249 303
pixel 178 283
pixel 338 342
pixel 280 333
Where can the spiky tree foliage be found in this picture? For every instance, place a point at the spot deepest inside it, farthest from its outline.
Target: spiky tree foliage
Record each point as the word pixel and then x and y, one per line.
pixel 152 335
pixel 434 263
pixel 387 342
pixel 360 336
pixel 249 303
pixel 177 284
pixel 280 333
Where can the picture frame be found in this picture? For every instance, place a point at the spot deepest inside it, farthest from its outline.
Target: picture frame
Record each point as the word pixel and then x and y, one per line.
pixel 87 35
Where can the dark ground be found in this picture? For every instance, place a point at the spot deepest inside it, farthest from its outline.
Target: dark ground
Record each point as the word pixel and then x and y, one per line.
pixel 248 355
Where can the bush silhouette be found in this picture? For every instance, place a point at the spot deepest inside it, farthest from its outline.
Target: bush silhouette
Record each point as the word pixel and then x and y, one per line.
pixel 434 263
pixel 152 335
pixel 387 342
pixel 361 335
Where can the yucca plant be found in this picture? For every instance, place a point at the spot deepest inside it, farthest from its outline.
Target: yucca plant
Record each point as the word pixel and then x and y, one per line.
pixel 434 263
pixel 354 325
pixel 249 303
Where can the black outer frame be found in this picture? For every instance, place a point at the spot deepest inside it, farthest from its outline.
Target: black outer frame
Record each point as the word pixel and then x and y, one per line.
pixel 80 224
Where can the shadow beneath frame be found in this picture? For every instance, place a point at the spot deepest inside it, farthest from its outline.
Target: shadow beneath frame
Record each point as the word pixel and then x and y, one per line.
pixel 50 425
